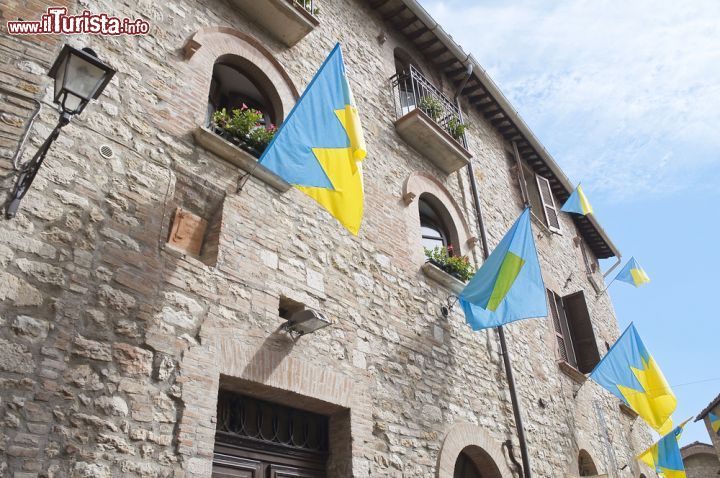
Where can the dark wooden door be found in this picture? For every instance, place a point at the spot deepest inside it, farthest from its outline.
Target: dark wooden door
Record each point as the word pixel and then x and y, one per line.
pixel 258 439
pixel 262 465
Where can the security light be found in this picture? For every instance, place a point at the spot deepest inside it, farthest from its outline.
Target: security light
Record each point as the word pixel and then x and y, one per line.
pixel 305 321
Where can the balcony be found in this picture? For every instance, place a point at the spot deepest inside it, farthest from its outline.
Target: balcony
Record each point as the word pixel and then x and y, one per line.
pixel 429 121
pixel 287 20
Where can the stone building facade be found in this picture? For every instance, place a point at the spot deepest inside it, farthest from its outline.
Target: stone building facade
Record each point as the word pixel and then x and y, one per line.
pixel 700 460
pixel 139 284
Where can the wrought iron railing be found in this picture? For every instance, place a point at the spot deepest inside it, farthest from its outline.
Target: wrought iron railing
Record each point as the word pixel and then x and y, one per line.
pixel 258 421
pixel 307 5
pixel 411 90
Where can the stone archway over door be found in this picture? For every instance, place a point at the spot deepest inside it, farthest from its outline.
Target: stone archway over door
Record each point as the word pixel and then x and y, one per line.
pixel 483 451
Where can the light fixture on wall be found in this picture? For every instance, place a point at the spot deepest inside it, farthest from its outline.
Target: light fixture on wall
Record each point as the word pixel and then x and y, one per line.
pixel 79 77
pixel 305 321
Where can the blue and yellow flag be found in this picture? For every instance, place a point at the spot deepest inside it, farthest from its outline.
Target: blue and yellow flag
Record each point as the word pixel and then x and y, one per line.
pixel 633 274
pixel 630 373
pixel 320 146
pixel 714 422
pixel 509 285
pixel 577 203
pixel 664 456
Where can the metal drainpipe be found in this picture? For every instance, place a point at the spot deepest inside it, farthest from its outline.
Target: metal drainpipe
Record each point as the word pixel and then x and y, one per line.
pixel 526 473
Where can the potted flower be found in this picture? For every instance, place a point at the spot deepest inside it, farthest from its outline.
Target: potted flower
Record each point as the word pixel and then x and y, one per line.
pixel 243 127
pixel 456 128
pixel 431 106
pixel 457 266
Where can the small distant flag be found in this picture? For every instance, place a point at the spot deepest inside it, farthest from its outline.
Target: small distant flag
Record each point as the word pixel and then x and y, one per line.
pixel 509 285
pixel 320 146
pixel 633 274
pixel 577 203
pixel 664 456
pixel 714 422
pixel 630 373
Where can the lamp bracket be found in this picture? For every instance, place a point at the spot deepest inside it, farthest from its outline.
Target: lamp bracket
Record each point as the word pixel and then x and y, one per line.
pixel 29 171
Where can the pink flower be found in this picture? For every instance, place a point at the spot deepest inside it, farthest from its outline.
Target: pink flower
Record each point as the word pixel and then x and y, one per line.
pixel 244 107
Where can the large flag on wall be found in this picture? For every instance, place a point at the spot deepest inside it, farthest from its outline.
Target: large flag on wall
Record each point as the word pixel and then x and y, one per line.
pixel 577 203
pixel 509 284
pixel 664 456
pixel 320 146
pixel 630 373
pixel 633 274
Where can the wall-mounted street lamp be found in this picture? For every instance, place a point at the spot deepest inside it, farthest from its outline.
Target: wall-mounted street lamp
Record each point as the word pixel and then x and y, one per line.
pixel 79 77
pixel 305 321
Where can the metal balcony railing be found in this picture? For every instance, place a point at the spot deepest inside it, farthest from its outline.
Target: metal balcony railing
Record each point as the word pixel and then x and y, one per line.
pixel 411 90
pixel 308 5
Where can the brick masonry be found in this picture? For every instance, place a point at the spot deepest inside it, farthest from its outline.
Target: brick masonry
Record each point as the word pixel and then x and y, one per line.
pixel 113 346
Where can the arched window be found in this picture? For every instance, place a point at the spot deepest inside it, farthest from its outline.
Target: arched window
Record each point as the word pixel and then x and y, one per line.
pixel 586 466
pixel 237 82
pixel 465 467
pixel 433 228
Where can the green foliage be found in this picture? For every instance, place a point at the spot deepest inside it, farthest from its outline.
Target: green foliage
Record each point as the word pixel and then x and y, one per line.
pixel 260 137
pixel 456 128
pixel 458 266
pixel 244 126
pixel 431 106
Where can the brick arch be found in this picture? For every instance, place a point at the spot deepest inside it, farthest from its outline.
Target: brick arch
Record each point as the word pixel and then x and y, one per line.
pixel 421 183
pixel 204 48
pixel 484 450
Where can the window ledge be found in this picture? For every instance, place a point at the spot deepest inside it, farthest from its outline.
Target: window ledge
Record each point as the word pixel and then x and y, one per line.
pixel 284 19
pixel 443 278
pixel 430 140
pixel 572 372
pixel 628 411
pixel 184 255
pixel 236 156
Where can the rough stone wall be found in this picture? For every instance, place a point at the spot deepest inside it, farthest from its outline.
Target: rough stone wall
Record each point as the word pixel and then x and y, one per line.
pixel 702 465
pixel 112 346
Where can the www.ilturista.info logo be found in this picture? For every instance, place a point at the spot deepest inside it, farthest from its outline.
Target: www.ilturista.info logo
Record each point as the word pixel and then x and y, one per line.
pixel 57 22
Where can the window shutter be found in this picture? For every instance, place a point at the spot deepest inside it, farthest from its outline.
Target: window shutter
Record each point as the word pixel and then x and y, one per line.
pixel 562 334
pixel 583 337
pixel 548 201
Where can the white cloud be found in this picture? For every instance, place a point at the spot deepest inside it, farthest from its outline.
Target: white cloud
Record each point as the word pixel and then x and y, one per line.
pixel 625 94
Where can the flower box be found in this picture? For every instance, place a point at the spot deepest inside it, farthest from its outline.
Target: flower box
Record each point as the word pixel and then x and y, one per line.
pixel 237 156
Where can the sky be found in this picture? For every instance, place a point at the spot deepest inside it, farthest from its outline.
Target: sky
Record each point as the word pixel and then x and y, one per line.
pixel 625 95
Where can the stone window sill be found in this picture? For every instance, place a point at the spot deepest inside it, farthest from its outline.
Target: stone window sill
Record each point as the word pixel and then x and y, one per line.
pixel 443 278
pixel 236 156
pixel 184 255
pixel 572 372
pixel 284 19
pixel 628 411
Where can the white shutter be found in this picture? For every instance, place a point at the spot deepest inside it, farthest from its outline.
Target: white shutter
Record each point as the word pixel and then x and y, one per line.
pixel 548 201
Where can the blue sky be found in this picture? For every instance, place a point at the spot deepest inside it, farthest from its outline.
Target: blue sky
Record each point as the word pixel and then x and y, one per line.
pixel 626 97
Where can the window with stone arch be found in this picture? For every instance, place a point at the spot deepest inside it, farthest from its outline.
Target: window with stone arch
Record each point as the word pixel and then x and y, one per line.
pixel 433 218
pixel 586 465
pixel 236 84
pixel 469 451
pixel 434 228
pixel 225 67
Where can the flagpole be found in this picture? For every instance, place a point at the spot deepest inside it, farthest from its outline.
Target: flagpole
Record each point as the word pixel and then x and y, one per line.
pixel 606 287
pixel 526 472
